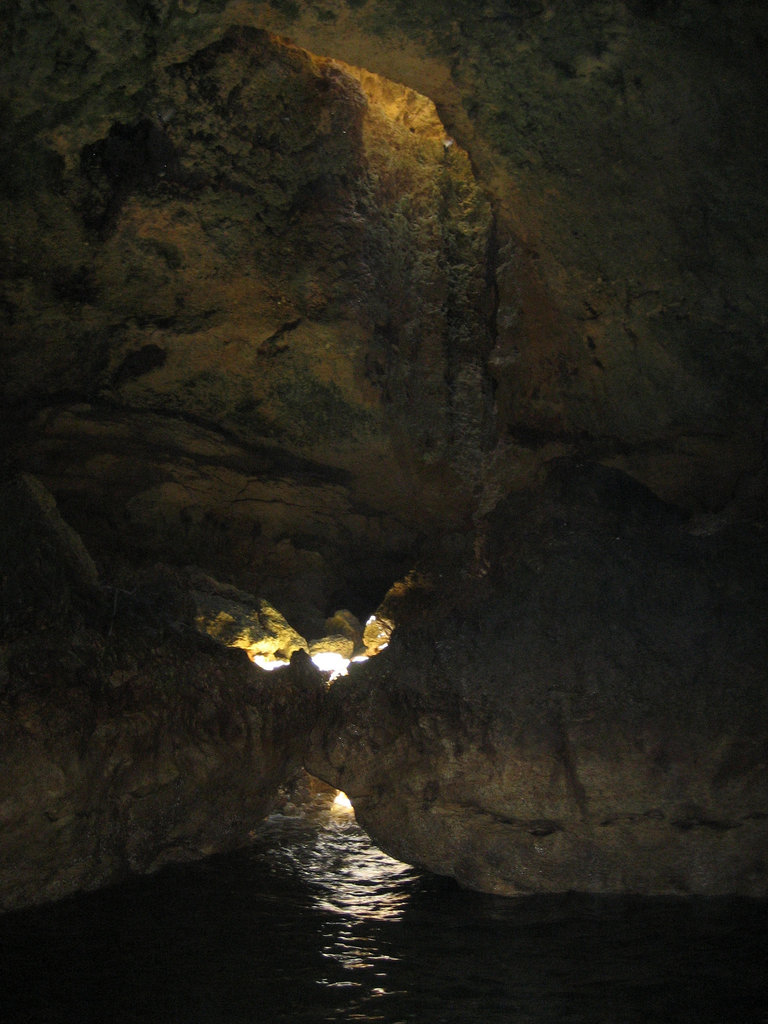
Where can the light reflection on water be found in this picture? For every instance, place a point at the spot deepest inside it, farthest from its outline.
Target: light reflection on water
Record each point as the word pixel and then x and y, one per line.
pixel 342 871
pixel 315 925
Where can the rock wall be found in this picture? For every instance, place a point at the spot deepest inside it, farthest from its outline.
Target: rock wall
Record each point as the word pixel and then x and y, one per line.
pixel 577 701
pixel 248 314
pixel 581 705
pixel 304 296
pixel 621 144
pixel 302 327
pixel 126 741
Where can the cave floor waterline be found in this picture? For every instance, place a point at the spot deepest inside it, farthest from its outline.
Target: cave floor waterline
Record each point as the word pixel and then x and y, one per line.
pixel 313 924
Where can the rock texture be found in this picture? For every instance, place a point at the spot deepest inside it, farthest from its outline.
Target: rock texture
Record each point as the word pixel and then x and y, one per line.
pixel 622 145
pixel 247 320
pixel 241 620
pixel 279 316
pixel 581 706
pixel 303 298
pixel 126 741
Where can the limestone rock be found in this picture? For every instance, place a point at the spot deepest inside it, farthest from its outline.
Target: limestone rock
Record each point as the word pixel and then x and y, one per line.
pixel 402 602
pixel 126 739
pixel 620 144
pixel 588 711
pixel 344 623
pixel 290 312
pixel 257 627
pixel 169 754
pixel 333 644
pixel 303 313
pixel 264 305
pixel 46 567
pixel 377 633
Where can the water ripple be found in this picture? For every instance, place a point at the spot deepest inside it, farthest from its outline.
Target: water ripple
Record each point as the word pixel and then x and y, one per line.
pixel 313 925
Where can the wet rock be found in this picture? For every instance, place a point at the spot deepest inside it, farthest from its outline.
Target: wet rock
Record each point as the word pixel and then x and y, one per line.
pixel 164 753
pixel 268 313
pixel 584 708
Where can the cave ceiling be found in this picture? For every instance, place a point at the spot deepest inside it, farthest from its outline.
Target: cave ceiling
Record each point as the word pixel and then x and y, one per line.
pixel 290 290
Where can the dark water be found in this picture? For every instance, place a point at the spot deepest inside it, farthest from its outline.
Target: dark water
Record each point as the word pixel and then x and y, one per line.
pixel 315 925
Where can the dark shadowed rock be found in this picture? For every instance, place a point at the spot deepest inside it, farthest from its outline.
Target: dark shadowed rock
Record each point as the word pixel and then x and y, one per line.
pixel 126 740
pixel 583 707
pixel 45 563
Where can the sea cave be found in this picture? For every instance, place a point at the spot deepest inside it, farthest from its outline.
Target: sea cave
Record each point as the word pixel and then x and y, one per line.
pixel 384 431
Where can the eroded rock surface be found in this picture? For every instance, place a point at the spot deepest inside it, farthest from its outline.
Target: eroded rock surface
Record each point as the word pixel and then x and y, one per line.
pixel 582 705
pixel 267 313
pixel 303 330
pixel 126 740
pixel 248 319
pixel 622 145
pixel 244 621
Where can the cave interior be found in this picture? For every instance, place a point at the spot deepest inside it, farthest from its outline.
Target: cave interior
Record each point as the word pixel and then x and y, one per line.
pixel 430 331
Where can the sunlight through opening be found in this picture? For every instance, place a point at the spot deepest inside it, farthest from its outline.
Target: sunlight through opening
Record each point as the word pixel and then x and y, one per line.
pixel 267 663
pixel 332 662
pixel 342 802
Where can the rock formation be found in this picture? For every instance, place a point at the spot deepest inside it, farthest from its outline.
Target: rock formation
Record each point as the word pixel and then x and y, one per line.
pixel 126 741
pixel 578 705
pixel 266 312
pixel 298 300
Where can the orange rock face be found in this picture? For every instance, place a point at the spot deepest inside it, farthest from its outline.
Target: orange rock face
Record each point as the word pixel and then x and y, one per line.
pixel 273 309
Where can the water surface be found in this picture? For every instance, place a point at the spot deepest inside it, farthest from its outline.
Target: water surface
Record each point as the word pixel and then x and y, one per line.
pixel 314 924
